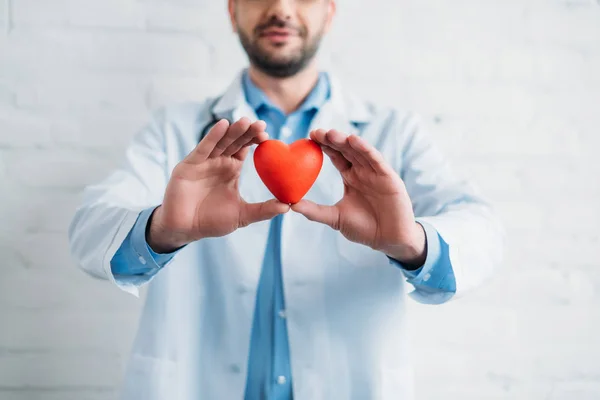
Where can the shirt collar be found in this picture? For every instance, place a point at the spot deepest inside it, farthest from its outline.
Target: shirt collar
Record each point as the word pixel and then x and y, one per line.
pixel 256 98
pixel 343 103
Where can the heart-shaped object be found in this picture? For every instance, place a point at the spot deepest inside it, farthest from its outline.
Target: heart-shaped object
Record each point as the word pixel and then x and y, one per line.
pixel 288 171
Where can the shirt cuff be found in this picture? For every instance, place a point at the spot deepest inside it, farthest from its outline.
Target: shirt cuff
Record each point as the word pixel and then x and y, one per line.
pixel 146 255
pixel 433 253
pixel 436 274
pixel 135 262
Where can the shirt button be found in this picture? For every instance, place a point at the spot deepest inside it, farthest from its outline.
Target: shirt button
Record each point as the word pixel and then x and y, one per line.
pixel 426 277
pixel 282 314
pixel 281 380
pixel 286 132
pixel 142 260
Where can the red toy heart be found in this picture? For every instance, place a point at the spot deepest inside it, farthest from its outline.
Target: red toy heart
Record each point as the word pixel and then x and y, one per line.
pixel 288 171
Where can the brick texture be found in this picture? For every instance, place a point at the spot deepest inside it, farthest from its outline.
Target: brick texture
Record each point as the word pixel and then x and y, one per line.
pixel 510 89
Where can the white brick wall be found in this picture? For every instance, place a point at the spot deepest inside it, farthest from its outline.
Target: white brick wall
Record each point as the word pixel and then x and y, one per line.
pixel 511 89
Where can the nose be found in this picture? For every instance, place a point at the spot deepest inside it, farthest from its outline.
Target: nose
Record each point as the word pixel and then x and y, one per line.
pixel 282 9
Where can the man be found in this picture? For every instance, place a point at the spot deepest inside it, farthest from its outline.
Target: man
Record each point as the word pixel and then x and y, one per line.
pixel 251 298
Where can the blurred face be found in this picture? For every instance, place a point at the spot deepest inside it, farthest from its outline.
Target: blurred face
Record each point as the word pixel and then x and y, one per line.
pixel 281 36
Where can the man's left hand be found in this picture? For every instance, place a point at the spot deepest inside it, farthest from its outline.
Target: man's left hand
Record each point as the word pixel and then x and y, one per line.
pixel 375 210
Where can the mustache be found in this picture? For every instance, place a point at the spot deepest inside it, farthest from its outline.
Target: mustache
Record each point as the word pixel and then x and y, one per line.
pixel 275 22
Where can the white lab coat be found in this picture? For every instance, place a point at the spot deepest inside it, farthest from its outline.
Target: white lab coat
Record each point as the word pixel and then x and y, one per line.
pixel 345 302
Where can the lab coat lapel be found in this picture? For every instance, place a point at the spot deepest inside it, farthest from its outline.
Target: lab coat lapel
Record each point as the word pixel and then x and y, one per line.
pixel 233 106
pixel 247 244
pixel 343 112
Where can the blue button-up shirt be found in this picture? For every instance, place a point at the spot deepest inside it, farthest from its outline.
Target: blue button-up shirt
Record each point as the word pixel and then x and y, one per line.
pixel 269 374
pixel 269 370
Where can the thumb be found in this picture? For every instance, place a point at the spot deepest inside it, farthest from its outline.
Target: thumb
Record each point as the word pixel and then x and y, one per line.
pixel 255 212
pixel 328 215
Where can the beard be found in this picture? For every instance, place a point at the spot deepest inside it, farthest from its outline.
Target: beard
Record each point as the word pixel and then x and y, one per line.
pixel 272 65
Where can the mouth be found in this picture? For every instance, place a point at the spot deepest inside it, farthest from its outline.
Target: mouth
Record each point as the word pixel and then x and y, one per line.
pixel 277 34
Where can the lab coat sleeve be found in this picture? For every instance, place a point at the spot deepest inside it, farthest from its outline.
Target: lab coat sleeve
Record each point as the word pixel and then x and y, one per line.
pixel 110 208
pixel 471 233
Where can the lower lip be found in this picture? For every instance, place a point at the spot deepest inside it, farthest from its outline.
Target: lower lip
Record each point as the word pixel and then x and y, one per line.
pixel 277 37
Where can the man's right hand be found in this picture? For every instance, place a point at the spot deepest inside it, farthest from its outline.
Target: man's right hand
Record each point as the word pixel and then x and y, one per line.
pixel 202 198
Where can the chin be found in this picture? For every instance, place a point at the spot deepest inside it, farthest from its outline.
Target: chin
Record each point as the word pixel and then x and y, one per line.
pixel 282 59
pixel 283 55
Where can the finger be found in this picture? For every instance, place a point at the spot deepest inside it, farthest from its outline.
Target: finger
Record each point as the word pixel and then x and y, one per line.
pixel 255 212
pixel 319 136
pixel 338 160
pixel 207 145
pixel 338 141
pixel 242 153
pixel 256 129
pixel 233 133
pixel 328 215
pixel 260 138
pixel 369 153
